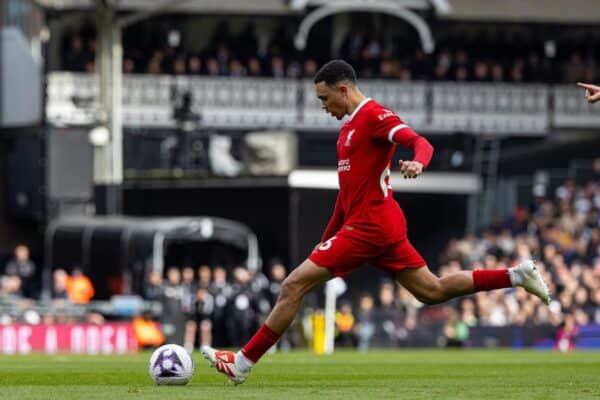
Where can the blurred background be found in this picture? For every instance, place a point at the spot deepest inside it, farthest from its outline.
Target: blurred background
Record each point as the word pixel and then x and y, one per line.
pixel 165 164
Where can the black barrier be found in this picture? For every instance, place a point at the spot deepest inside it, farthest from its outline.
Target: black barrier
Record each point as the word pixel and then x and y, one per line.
pixel 511 336
pixel 538 336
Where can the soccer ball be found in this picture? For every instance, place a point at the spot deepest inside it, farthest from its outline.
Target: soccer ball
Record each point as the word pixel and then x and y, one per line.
pixel 171 365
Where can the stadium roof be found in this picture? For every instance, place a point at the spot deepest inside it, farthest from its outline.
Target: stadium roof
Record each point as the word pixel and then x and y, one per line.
pixel 199 6
pixel 219 6
pixel 569 11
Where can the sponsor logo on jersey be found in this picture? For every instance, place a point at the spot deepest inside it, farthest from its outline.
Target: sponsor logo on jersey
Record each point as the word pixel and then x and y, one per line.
pixel 344 165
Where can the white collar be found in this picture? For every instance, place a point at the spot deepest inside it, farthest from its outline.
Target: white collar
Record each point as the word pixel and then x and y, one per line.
pixel 357 109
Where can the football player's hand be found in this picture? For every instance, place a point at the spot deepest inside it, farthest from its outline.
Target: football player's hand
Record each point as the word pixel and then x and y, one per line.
pixel 592 92
pixel 410 169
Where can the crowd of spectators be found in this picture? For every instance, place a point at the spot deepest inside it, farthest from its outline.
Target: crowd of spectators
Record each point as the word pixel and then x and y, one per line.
pixel 499 58
pixel 20 292
pixel 18 278
pixel 217 305
pixel 560 230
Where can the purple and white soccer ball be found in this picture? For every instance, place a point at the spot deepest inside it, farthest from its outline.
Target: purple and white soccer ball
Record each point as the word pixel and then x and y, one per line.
pixel 170 364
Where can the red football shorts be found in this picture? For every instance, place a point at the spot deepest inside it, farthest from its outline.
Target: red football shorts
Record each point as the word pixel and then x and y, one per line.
pixel 346 251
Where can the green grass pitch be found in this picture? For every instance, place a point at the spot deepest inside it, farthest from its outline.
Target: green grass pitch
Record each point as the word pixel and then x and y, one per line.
pixel 393 374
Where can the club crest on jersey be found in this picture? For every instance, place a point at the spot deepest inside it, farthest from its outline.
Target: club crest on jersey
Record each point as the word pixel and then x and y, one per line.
pixel 347 144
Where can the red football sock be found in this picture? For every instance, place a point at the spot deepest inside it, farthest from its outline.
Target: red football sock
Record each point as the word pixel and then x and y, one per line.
pixel 491 279
pixel 258 345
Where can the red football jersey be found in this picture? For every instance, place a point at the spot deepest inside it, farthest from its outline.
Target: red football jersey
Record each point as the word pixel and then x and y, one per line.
pixel 365 147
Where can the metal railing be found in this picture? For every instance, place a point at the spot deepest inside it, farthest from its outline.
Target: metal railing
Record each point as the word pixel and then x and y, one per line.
pixel 259 103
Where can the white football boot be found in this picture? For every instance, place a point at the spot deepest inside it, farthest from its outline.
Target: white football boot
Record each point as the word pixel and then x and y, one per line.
pixel 224 362
pixel 529 278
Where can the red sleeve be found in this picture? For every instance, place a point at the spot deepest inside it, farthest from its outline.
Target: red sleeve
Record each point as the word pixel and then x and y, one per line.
pixel 336 221
pixel 388 127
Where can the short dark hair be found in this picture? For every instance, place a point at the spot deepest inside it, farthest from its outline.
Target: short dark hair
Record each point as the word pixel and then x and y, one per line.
pixel 336 71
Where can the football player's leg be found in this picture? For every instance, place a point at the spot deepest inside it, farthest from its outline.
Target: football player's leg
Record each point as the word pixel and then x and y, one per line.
pixel 237 366
pixel 302 279
pixel 406 264
pixel 430 289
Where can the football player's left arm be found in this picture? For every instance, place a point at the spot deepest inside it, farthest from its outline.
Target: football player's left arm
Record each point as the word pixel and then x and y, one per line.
pixel 392 129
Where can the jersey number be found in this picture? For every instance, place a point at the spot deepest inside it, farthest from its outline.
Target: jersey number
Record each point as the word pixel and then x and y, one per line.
pixel 327 244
